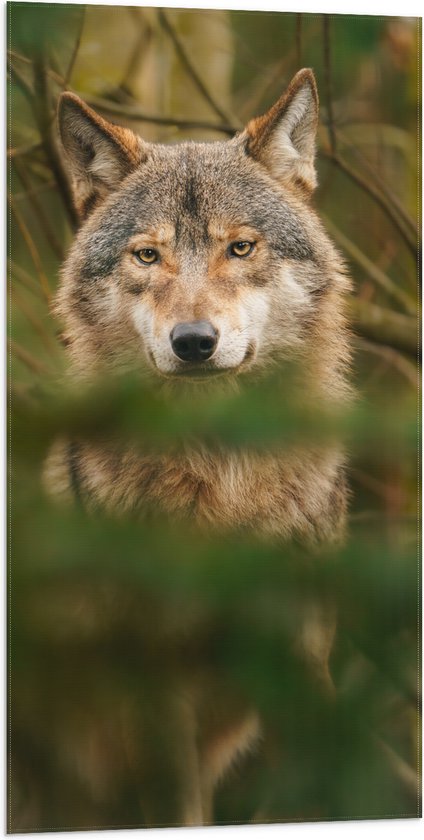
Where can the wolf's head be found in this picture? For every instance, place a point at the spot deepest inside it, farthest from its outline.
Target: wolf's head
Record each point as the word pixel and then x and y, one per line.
pixel 195 259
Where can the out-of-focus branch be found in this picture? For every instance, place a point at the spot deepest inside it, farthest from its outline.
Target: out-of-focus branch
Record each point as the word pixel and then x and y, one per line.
pixel 393 358
pixel 57 77
pixel 23 151
pixel 40 190
pixel 384 326
pixel 31 248
pixel 24 277
pixel 380 182
pixel 39 211
pixel 406 775
pixel 329 83
pixel 45 121
pixel 299 41
pixel 365 646
pixel 39 100
pixel 192 71
pixel 35 322
pixel 25 357
pixel 373 271
pixel 22 83
pixel 366 185
pixel 76 47
pixel 131 112
pixel 264 83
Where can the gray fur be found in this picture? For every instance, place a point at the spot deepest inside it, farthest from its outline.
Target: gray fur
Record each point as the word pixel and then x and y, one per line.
pixel 189 185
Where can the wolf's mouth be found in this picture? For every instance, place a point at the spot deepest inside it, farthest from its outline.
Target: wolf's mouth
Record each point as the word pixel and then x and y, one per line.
pixel 203 372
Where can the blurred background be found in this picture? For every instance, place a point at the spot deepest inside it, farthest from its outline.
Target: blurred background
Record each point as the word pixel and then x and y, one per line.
pixel 86 609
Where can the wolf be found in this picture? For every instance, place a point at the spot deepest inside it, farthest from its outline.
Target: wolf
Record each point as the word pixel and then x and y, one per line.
pixel 199 264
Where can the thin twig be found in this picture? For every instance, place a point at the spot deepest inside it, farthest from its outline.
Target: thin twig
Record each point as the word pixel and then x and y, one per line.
pixel 39 211
pixel 39 101
pixel 299 19
pixel 35 322
pixel 22 83
pixel 41 190
pixel 19 57
pixel 130 112
pixel 57 77
pixel 370 482
pixel 390 195
pixel 24 356
pixel 329 83
pixel 376 195
pixel 192 71
pixel 133 64
pixel 372 270
pixel 31 248
pixel 389 671
pixel 22 151
pixel 393 358
pixel 45 121
pixel 403 771
pixel 385 326
pixel 25 278
pixel 75 50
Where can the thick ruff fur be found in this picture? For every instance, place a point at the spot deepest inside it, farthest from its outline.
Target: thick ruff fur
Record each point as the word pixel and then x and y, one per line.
pixel 222 233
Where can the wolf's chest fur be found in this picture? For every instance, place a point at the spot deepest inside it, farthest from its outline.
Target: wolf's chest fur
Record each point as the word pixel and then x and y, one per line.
pixel 298 495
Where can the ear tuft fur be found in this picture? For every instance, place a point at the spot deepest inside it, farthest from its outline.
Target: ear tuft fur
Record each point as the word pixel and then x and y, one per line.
pixel 100 154
pixel 283 139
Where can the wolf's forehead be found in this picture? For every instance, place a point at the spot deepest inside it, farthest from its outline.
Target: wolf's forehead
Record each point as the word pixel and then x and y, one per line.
pixel 192 191
pixel 191 185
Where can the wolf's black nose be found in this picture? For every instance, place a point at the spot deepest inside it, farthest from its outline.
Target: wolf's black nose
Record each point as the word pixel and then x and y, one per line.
pixel 194 341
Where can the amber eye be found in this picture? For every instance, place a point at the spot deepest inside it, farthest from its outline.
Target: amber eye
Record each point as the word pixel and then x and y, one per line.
pixel 241 249
pixel 147 256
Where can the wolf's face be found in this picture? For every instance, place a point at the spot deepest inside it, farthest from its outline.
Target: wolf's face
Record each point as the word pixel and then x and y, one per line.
pixel 196 259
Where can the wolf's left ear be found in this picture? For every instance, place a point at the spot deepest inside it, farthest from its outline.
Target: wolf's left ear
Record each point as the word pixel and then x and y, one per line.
pixel 283 139
pixel 100 154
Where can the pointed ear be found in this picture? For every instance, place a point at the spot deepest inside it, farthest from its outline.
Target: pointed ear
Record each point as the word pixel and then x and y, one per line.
pixel 100 154
pixel 283 139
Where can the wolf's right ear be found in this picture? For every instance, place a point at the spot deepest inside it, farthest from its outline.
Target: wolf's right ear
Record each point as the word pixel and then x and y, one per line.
pixel 100 154
pixel 283 139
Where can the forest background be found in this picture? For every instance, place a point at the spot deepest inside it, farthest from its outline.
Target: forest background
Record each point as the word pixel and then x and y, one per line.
pixel 201 75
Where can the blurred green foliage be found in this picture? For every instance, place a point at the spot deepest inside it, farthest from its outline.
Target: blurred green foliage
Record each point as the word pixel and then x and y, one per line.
pixel 103 612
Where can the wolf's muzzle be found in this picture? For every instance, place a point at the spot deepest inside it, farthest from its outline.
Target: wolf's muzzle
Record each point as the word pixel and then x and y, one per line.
pixel 194 341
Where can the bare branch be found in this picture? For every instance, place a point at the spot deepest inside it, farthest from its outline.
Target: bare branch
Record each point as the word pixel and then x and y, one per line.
pixel 22 151
pixel 39 211
pixel 384 326
pixel 25 278
pixel 22 83
pixel 131 112
pixel 45 121
pixel 366 185
pixel 299 40
pixel 39 100
pixel 393 358
pixel 192 71
pixel 403 771
pixel 35 322
pixel 387 192
pixel 25 357
pixel 40 190
pixel 77 43
pixel 329 83
pixel 372 270
pixel 31 248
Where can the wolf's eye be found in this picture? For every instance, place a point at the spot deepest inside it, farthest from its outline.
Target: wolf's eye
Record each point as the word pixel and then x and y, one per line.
pixel 241 249
pixel 147 255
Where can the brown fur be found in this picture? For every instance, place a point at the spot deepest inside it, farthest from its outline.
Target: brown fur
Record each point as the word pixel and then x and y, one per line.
pixel 285 300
